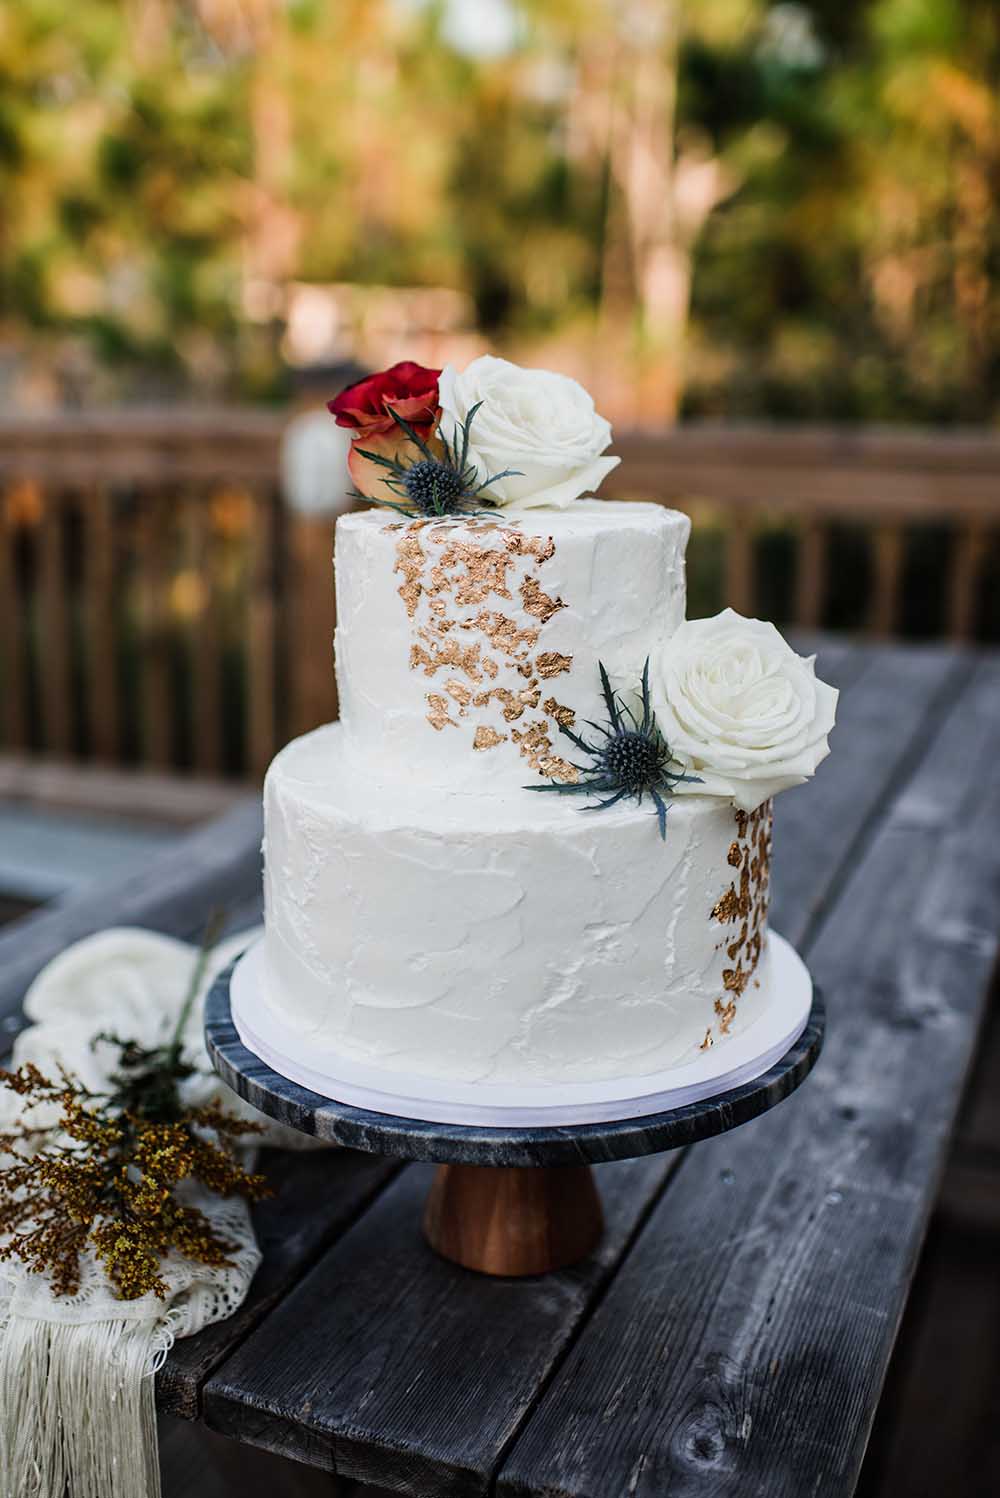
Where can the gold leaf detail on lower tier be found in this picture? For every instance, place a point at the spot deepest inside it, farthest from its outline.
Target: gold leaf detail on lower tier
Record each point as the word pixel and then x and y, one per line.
pixel 726 1013
pixel 486 737
pixel 490 667
pixel 537 603
pixel 564 716
pixel 728 908
pixel 551 663
pixel 707 1042
pixel 438 716
pixel 735 979
pixel 746 901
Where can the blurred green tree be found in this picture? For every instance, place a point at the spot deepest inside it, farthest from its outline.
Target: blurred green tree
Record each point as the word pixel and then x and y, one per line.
pixel 715 207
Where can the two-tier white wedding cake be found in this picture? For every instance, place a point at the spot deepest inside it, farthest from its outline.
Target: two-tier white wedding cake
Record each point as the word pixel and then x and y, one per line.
pixel 427 913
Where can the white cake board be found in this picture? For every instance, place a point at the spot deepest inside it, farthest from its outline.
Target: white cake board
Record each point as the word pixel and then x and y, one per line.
pixel 740 1059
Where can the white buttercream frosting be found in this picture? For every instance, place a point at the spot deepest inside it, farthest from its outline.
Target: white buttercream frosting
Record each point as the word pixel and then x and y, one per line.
pixel 427 914
pixel 434 618
pixel 509 938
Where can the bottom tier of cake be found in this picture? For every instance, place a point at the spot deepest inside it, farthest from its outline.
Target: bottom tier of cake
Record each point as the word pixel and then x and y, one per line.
pixel 505 939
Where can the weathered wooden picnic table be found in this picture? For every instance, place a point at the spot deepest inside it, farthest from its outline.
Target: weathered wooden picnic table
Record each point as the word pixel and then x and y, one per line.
pixel 731 1334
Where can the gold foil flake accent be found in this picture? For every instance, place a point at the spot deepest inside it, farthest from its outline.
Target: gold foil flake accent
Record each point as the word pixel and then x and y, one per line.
pixel 410 562
pixel 539 547
pixel 751 854
pixel 708 1042
pixel 459 691
pixel 537 603
pixel 728 908
pixel 726 1013
pixel 564 716
pixel 503 633
pixel 444 574
pixel 485 572
pixel 438 716
pixel 735 979
pixel 559 769
pixel 550 663
pixel 513 704
pixel 536 746
pixel 445 653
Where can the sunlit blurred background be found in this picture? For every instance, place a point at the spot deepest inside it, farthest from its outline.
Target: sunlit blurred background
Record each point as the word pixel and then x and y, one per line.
pixel 765 235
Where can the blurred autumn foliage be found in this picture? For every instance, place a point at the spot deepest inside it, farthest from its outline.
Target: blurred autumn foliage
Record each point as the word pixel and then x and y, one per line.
pixel 700 207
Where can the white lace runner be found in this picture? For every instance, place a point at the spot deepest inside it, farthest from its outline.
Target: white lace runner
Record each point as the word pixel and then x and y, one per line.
pixel 77 1413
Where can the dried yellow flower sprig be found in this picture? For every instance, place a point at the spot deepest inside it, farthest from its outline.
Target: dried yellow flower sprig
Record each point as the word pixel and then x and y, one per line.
pixel 107 1172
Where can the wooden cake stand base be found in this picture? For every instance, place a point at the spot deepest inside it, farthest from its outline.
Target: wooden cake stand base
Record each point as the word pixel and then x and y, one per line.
pixel 504 1201
pixel 511 1221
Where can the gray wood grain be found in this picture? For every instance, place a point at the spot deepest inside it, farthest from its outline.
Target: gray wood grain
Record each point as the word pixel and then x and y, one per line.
pixel 742 1347
pixel 317 1195
pixel 419 1376
pixel 392 1366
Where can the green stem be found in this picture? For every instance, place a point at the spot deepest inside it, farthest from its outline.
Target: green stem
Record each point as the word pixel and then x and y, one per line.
pixel 212 932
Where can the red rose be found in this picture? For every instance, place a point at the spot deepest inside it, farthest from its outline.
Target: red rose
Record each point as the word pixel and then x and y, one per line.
pixel 366 408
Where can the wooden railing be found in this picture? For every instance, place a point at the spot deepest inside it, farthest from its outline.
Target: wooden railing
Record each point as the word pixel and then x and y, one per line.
pixel 160 603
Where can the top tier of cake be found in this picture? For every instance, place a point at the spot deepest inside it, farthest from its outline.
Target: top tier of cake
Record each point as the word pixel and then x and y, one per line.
pixel 461 647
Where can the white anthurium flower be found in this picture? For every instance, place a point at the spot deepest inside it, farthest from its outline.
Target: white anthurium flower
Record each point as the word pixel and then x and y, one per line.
pixel 540 423
pixel 741 710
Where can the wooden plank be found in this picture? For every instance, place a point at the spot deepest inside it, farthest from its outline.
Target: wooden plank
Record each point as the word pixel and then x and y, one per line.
pixel 12 662
pixel 738 539
pixel 261 646
pixel 203 639
pixel 810 574
pixel 311 609
pixel 110 792
pixel 891 698
pixel 194 1463
pixel 216 866
pixel 883 610
pixel 100 574
pixel 389 1365
pixel 743 1346
pixel 53 631
pixel 317 1195
pixel 963 578
pixel 937 1429
pixel 152 543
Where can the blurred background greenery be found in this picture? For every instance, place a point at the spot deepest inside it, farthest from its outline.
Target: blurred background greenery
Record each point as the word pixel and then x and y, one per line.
pixel 752 228
pixel 728 208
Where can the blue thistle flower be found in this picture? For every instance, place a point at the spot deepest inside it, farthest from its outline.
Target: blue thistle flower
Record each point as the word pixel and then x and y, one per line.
pixel 631 759
pixel 436 486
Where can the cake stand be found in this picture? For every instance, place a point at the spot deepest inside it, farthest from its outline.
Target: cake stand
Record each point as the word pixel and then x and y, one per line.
pixel 515 1199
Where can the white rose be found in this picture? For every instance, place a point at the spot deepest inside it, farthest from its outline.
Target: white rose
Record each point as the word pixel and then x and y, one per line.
pixel 542 424
pixel 741 710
